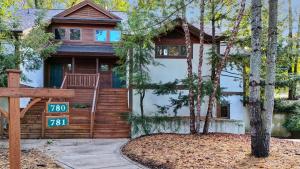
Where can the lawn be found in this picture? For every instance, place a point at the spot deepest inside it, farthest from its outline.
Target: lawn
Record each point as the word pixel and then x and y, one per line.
pixel 31 159
pixel 174 151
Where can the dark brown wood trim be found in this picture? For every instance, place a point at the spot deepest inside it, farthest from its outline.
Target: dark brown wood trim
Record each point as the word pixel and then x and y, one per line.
pixel 85 21
pixel 170 57
pixel 232 93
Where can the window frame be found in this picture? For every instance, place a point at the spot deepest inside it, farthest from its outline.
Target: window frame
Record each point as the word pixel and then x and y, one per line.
pixel 169 56
pixel 66 32
pixel 116 30
pixel 225 105
pixel 80 37
pixel 107 35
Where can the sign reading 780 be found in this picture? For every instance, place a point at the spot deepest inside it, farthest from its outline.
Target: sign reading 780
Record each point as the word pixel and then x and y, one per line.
pixel 57 107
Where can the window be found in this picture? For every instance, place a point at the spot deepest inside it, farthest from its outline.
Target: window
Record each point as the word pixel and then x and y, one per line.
pixel 101 35
pixel 225 110
pixel 171 51
pixel 74 34
pixel 115 36
pixel 60 33
pixel 162 51
pixel 104 67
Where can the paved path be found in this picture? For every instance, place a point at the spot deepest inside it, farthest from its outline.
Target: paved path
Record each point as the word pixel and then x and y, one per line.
pixel 84 153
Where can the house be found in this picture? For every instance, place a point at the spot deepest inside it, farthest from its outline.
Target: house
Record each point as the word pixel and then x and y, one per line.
pixel 84 62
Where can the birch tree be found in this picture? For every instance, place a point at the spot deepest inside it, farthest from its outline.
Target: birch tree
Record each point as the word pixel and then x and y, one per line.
pixel 255 65
pixel 201 53
pixel 270 81
pixel 221 65
pixel 188 45
pixel 292 88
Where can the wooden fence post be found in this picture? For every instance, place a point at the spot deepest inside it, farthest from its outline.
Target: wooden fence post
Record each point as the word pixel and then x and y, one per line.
pixel 14 122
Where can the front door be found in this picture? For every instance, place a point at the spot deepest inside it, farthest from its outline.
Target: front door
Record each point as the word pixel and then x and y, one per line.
pixel 56 75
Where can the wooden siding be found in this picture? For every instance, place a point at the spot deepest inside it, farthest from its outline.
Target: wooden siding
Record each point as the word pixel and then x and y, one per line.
pixel 88 32
pixel 112 108
pixel 87 66
pixel 174 37
pixel 87 12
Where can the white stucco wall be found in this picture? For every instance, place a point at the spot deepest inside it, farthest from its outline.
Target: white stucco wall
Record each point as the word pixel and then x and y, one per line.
pixel 177 69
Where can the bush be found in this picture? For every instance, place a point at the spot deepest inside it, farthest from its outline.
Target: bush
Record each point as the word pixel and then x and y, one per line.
pixel 293 122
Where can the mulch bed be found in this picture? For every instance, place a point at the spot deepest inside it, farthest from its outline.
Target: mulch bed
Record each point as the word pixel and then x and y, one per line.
pixel 173 151
pixel 30 159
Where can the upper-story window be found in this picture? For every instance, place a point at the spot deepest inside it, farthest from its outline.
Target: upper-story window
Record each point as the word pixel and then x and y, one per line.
pixel 171 51
pixel 115 36
pixel 75 34
pixel 101 35
pixel 60 33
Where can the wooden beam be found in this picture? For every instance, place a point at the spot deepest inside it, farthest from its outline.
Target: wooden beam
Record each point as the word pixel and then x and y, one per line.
pixel 14 122
pixel 97 65
pixel 73 65
pixel 33 102
pixel 36 92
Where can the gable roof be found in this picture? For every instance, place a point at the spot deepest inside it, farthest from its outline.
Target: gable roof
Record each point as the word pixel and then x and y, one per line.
pixel 83 4
pixel 194 31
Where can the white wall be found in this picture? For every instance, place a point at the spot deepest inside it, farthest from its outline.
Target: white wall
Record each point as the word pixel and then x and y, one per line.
pixel 177 69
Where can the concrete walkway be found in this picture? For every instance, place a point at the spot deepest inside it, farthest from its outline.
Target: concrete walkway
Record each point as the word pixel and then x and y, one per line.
pixel 84 153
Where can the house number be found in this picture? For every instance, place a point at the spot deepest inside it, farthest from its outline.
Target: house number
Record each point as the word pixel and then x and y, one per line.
pixel 57 107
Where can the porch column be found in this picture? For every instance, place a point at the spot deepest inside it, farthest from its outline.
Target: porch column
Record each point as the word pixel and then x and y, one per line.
pixel 73 64
pixel 97 65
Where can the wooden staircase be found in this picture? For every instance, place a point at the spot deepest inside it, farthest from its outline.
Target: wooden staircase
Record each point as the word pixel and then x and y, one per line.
pixel 105 118
pixel 110 116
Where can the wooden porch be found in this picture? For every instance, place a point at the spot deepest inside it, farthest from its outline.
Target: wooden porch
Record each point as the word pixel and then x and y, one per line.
pixel 96 111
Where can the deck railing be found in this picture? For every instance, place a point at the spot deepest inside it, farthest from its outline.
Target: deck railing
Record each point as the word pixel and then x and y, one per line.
pixel 81 80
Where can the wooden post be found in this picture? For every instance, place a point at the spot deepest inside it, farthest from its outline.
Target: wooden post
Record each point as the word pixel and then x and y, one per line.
pixel 97 65
pixel 73 65
pixel 14 122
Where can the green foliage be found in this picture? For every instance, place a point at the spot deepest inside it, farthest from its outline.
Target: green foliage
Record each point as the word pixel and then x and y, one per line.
pixel 80 105
pixel 293 122
pixel 29 50
pixel 289 107
pixel 292 108
pixel 182 99
pixel 6 62
pixel 154 124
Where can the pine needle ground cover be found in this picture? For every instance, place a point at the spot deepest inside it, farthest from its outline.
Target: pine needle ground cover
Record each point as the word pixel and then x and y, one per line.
pixel 172 151
pixel 30 159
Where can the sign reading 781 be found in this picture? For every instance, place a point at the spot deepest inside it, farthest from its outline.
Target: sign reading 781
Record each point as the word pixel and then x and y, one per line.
pixel 57 107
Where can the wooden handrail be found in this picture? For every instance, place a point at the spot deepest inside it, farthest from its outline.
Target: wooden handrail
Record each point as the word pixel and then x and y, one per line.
pixel 50 99
pixel 94 106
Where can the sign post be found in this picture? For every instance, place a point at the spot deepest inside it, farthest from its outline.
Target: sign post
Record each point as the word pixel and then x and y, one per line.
pixel 14 92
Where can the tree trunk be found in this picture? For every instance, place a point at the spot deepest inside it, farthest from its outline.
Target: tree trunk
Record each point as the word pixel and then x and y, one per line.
pixel 142 96
pixel 270 81
pixel 222 63
pixel 259 139
pixel 297 56
pixel 201 53
pixel 292 88
pixel 188 45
